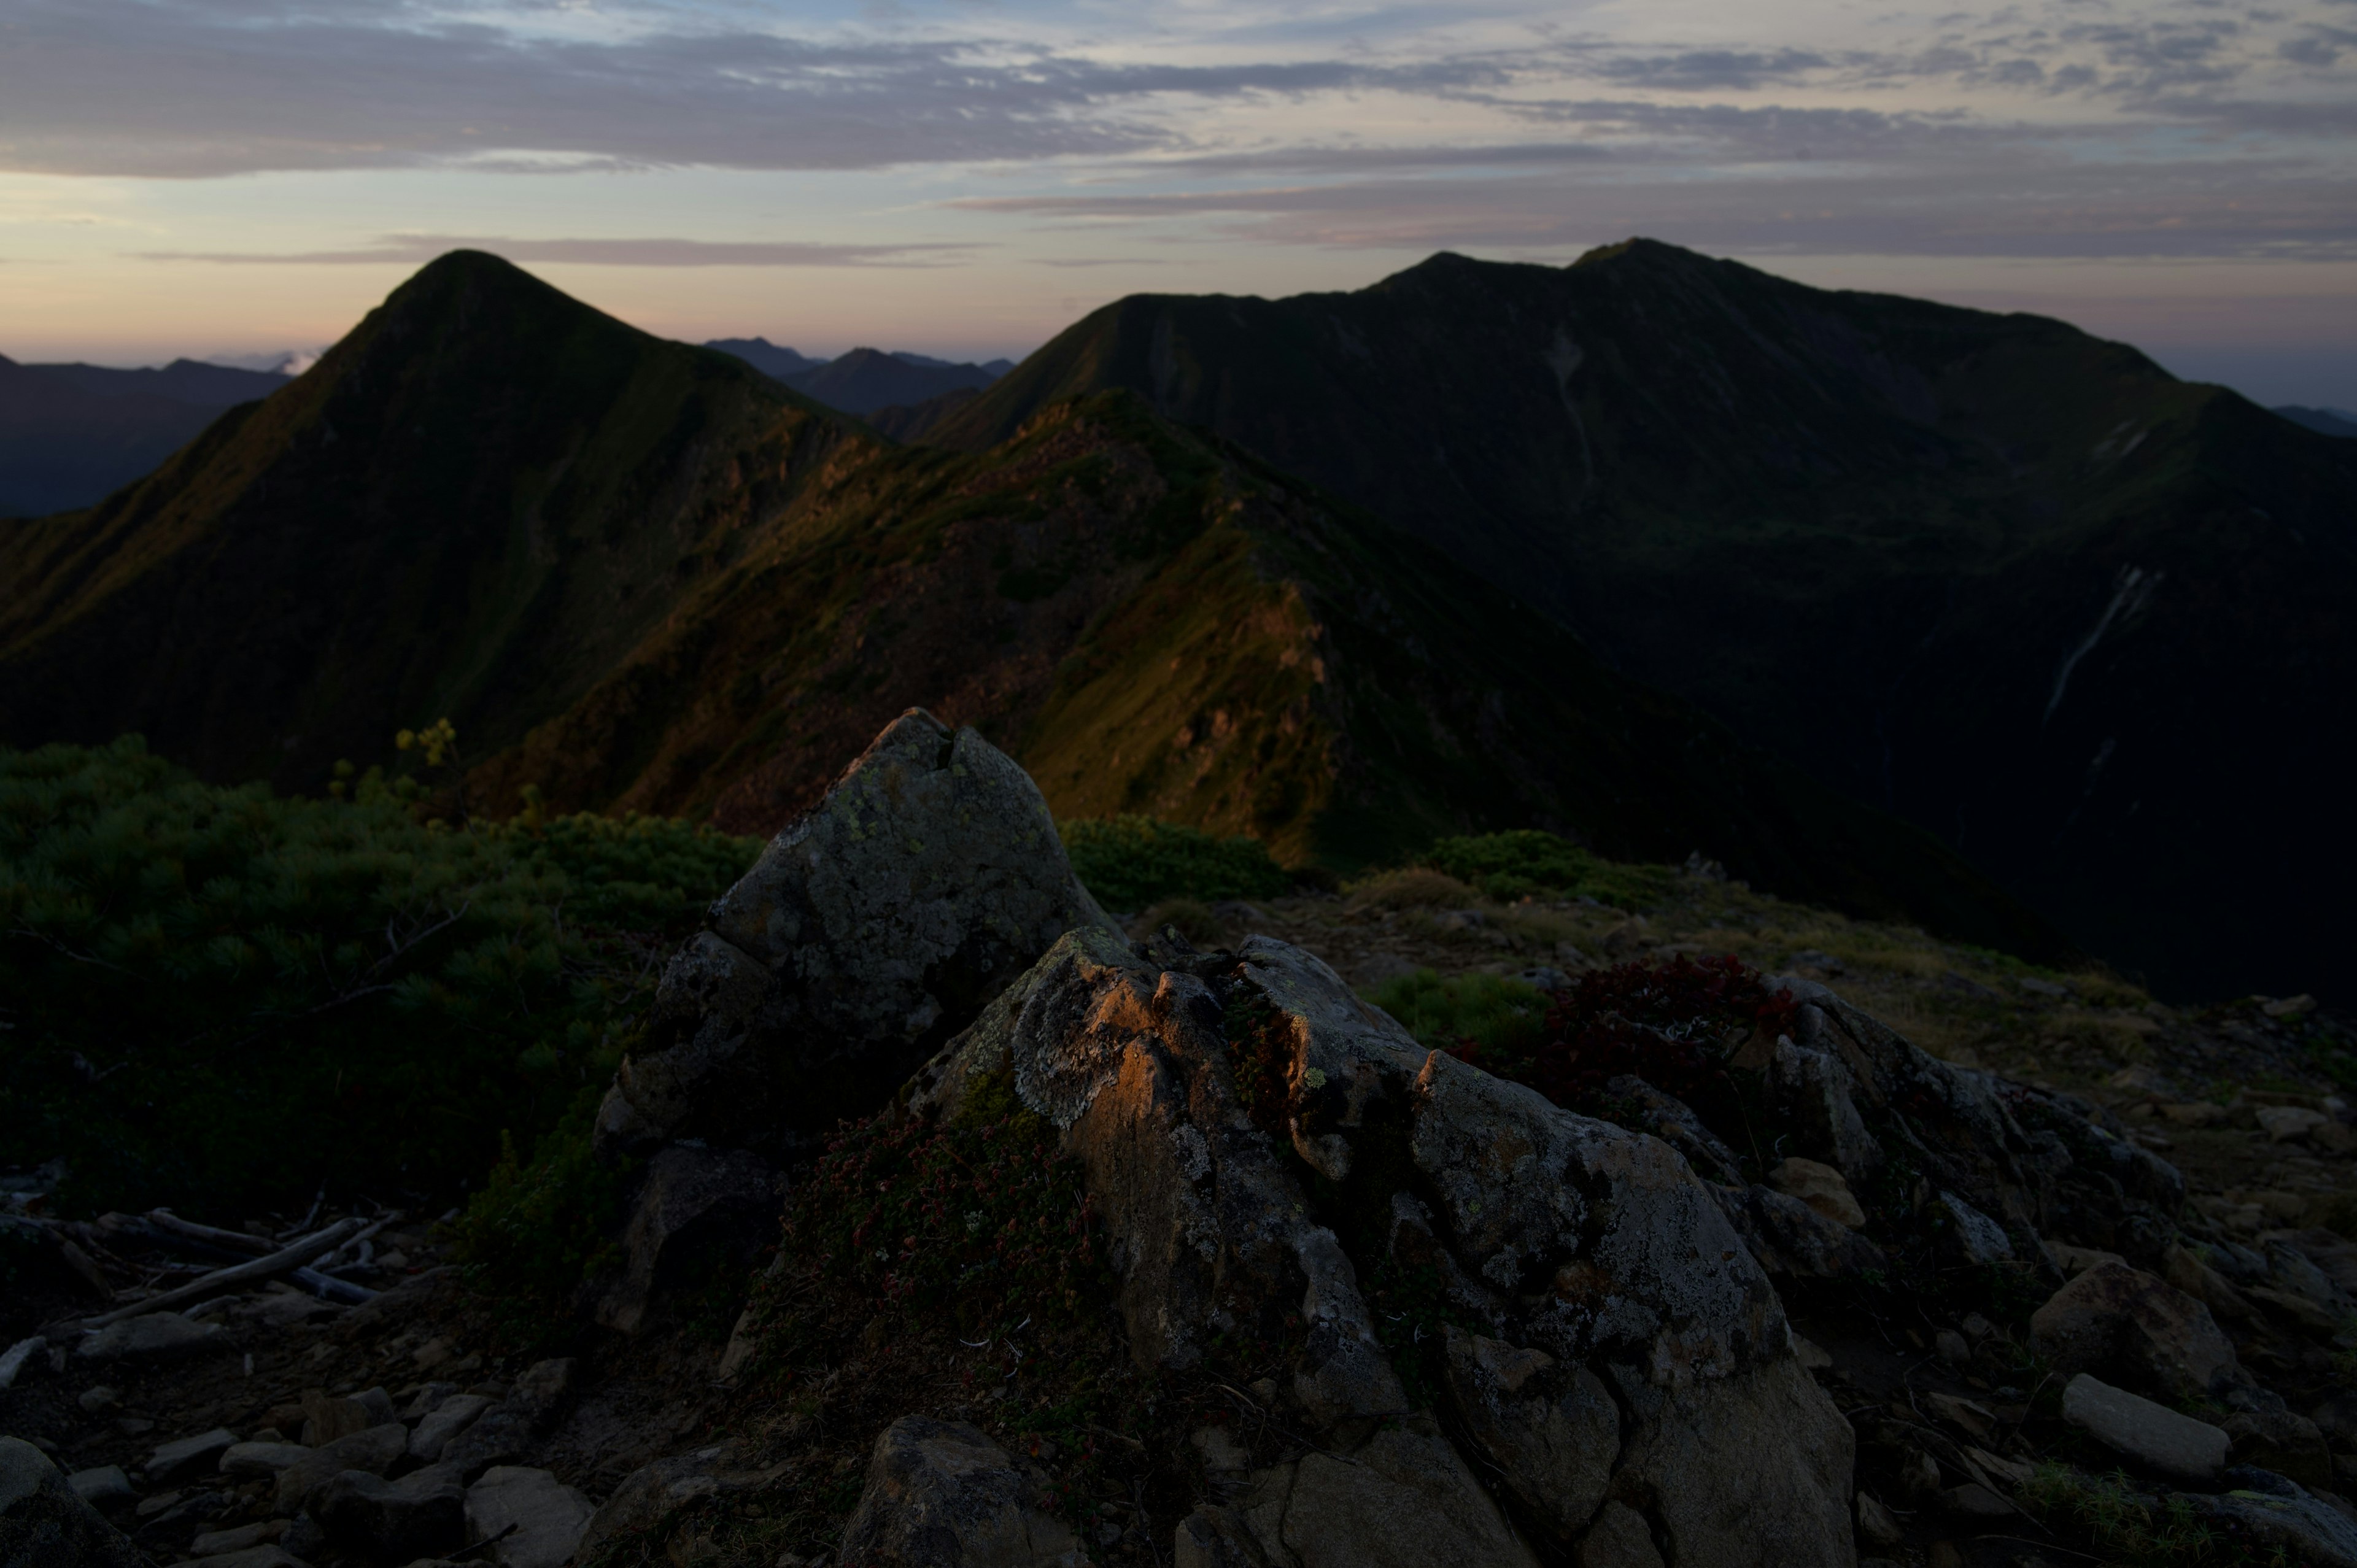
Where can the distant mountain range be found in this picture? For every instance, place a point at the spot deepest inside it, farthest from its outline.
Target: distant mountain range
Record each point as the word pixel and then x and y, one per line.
pixel 2089 624
pixel 865 380
pixel 643 575
pixel 2323 420
pixel 72 434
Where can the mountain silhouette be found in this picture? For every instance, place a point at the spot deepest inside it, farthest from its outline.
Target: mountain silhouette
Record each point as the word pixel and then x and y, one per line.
pixel 72 434
pixel 2084 621
pixel 638 574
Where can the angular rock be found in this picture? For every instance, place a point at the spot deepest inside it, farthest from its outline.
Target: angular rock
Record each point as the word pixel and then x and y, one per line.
pixel 649 1494
pixel 105 1487
pixel 2336 1418
pixel 189 1454
pixel 1821 1186
pixel 374 1451
pixel 157 1336
pixel 1969 1235
pixel 1402 1499
pixel 1816 1092
pixel 2151 1434
pixel 695 1208
pixel 1206 1226
pixel 327 1418
pixel 43 1524
pixel 1594 1246
pixel 537 1519
pixel 1553 1431
pixel 1214 1537
pixel 869 932
pixel 2142 1331
pixel 2283 1123
pixel 1674 1122
pixel 20 1356
pixel 2277 1440
pixel 505 1431
pixel 449 1418
pixel 2273 1514
pixel 1619 1538
pixel 941 1495
pixel 423 1514
pixel 1788 1237
pixel 261 1458
pixel 267 1555
pixel 243 1538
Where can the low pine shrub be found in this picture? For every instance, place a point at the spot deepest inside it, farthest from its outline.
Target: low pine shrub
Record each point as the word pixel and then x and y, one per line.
pixel 1499 1017
pixel 218 998
pixel 1131 862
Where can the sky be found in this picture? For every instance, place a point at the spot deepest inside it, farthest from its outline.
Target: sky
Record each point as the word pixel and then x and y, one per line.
pixel 965 178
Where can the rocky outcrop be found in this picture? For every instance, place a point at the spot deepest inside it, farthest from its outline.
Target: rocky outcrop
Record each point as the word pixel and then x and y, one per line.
pixel 43 1522
pixel 941 1495
pixel 1630 1351
pixel 870 930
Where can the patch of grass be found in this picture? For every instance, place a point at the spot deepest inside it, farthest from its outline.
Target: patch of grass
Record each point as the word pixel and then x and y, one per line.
pixel 1501 1017
pixel 1415 888
pixel 538 1229
pixel 2132 1528
pixel 1131 861
pixel 1525 862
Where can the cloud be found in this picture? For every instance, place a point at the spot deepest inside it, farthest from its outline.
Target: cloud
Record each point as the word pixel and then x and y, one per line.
pixel 414 249
pixel 2008 208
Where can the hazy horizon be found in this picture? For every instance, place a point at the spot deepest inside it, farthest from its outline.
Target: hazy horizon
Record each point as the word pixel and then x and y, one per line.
pixel 964 179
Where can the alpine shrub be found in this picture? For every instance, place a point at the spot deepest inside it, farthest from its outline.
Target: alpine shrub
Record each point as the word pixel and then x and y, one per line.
pixel 1527 862
pixel 218 998
pixel 1132 862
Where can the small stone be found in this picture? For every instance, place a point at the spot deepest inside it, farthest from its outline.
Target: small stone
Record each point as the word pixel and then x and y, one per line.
pixel 374 1451
pixel 326 1418
pixel 2198 1113
pixel 549 1517
pixel 1952 1347
pixel 242 1538
pixel 428 1400
pixel 2076 1260
pixel 1964 1414
pixel 261 1458
pixel 2282 1124
pixel 18 1357
pixel 157 1336
pixel 201 1452
pixel 2279 1441
pixel 1972 1235
pixel 453 1416
pixel 1619 1538
pixel 100 1399
pixel 1876 1526
pixel 1821 1187
pixel 1972 1500
pixel 2174 1445
pixel 424 1514
pixel 105 1487
pixel 2121 1320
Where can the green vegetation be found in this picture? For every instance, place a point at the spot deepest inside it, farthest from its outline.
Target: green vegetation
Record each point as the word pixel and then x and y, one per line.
pixel 221 999
pixel 1529 863
pixel 2133 1528
pixel 1131 861
pixel 1501 1016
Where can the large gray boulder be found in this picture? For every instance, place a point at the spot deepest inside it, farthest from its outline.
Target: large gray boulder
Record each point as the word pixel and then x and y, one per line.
pixel 869 932
pixel 45 1524
pixel 941 1495
pixel 1634 1355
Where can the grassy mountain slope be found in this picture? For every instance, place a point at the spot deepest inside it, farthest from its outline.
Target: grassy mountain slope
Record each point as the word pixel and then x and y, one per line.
pixel 471 506
pixel 2019 585
pixel 637 576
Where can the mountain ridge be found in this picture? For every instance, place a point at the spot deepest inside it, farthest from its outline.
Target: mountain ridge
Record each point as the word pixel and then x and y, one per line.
pixel 2009 581
pixel 643 575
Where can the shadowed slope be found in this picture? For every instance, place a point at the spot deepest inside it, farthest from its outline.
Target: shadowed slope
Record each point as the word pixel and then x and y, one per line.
pixel 473 506
pixel 2017 584
pixel 637 576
